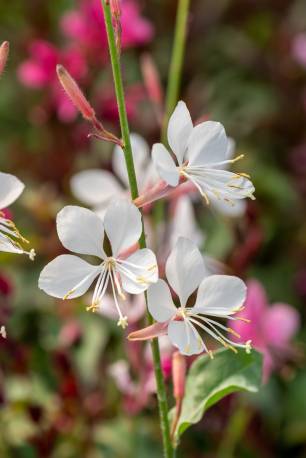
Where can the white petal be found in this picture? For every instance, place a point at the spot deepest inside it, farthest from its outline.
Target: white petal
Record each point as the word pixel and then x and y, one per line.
pixel 10 189
pixel 65 273
pixel 220 295
pixel 208 144
pixel 138 271
pixel 232 211
pixel 123 225
pixel 231 147
pixel 185 338
pixel 140 151
pixel 7 245
pixel 80 230
pixel 165 165
pixel 184 223
pixel 95 187
pixel 225 184
pixel 179 130
pixel 160 303
pixel 185 268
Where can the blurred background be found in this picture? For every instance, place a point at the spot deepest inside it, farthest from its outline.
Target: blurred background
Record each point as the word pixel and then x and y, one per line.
pixel 70 385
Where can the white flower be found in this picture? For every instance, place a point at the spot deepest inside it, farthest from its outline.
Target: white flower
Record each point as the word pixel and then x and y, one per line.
pixel 97 188
pixel 82 231
pixel 183 222
pixel 218 296
pixel 200 154
pixel 10 189
pixel 222 206
pixel 3 332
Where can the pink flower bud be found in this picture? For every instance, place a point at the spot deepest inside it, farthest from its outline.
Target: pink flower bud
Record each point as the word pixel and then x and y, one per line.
pixel 152 80
pixel 74 92
pixel 4 51
pixel 178 375
pixel 150 332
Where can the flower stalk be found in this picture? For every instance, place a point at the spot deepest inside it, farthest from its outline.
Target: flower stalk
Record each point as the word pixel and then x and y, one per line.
pixel 115 62
pixel 176 65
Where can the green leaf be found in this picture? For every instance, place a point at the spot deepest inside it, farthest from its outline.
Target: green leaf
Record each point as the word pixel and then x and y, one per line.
pixel 209 380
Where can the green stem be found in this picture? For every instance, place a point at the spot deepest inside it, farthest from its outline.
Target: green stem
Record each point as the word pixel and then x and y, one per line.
pixel 161 389
pixel 176 65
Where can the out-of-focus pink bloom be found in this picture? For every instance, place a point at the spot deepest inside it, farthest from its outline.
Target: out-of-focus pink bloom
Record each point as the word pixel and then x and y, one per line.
pixel 133 307
pixel 39 71
pixel 299 49
pixel 86 26
pixel 70 333
pixel 137 392
pixel 107 105
pixel 271 327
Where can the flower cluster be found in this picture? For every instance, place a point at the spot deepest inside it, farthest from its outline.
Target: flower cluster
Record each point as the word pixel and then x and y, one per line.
pixel 111 233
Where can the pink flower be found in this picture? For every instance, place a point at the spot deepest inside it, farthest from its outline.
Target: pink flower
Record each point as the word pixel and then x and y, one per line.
pixel 271 327
pixel 86 26
pixel 137 392
pixel 39 72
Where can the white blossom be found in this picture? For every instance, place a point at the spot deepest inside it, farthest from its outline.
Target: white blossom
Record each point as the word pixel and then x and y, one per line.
pixel 82 231
pixel 219 296
pixel 97 188
pixel 10 238
pixel 200 154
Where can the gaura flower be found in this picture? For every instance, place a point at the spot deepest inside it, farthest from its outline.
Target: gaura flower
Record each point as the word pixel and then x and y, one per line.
pixel 97 188
pixel 271 329
pixel 219 296
pixel 183 223
pixel 10 238
pixel 200 154
pixel 82 231
pixel 221 206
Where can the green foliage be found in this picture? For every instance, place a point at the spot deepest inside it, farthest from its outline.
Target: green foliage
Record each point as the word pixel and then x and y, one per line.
pixel 209 380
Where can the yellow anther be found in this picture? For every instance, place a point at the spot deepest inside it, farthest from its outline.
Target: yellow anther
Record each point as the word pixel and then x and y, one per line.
pixel 231 331
pixel 245 320
pixel 92 308
pixel 123 322
pixel 142 280
pixel 248 347
pixel 68 294
pixel 235 159
pixel 153 267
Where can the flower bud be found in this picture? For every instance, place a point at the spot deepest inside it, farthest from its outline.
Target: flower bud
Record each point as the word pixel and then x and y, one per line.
pixel 178 375
pixel 4 51
pixel 152 80
pixel 74 92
